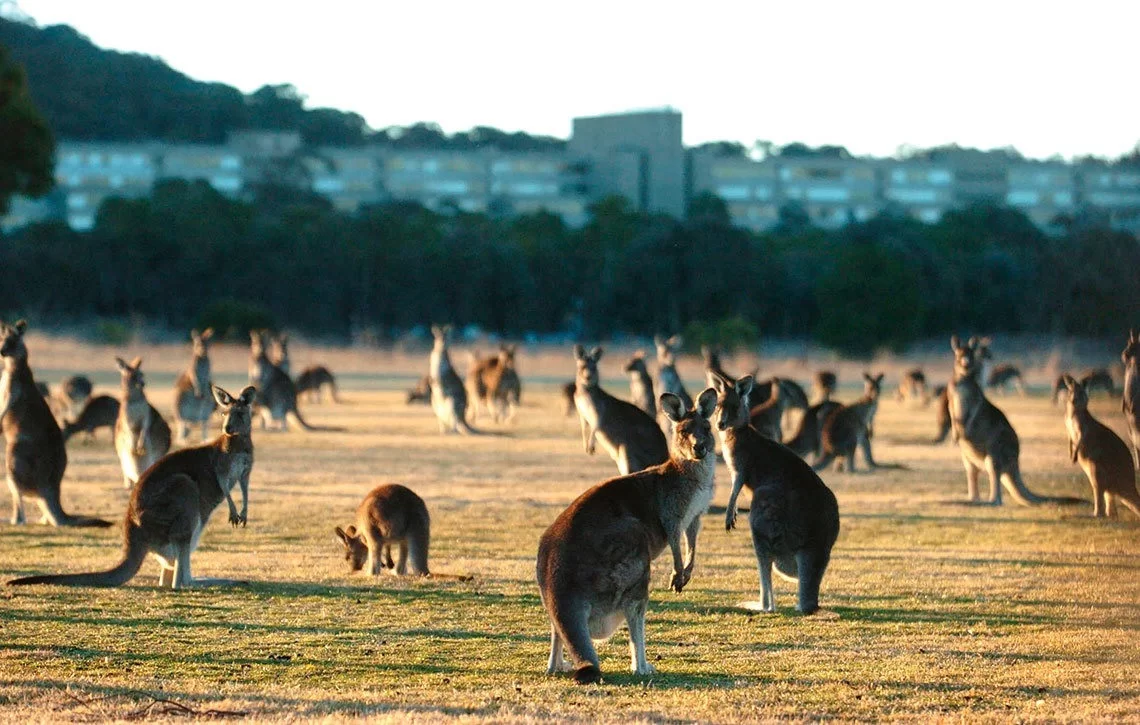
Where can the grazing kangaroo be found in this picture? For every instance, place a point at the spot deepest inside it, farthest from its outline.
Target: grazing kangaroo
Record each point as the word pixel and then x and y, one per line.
pixel 193 401
pixel 35 454
pixel 313 380
pixel 794 517
pixel 632 438
pixel 640 384
pixel 173 501
pixel 851 427
pixel 141 435
pixel 1003 375
pixel 594 561
pixel 1096 378
pixel 390 514
pixel 808 439
pixel 1103 457
pixel 280 352
pixel 1130 397
pixel 276 396
pixel 448 396
pixel 823 385
pixel 101 411
pixel 912 387
pixel 668 380
pixel 984 434
pixel 422 392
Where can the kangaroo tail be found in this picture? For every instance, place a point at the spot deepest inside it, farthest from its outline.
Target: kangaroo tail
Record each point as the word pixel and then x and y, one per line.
pixel 570 622
pixel 418 541
pixel 1131 499
pixel 133 557
pixel 59 517
pixel 296 415
pixel 1016 487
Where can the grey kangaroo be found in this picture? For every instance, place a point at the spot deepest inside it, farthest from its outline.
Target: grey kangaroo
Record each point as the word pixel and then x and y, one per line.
pixel 794 517
pixel 448 396
pixel 101 411
pixel 35 455
pixel 1130 399
pixel 984 434
pixel 912 387
pixel 1091 380
pixel 823 385
pixel 389 514
pixel 1103 457
pixel 668 379
pixel 277 395
pixel 594 561
pixel 313 380
pixel 640 384
pixel 850 427
pixel 193 401
pixel 173 501
pixel 141 435
pixel 808 438
pixel 632 438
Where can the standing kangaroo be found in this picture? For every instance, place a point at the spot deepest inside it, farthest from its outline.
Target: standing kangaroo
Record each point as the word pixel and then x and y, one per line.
pixel 73 392
pixel 101 411
pixel 808 438
pixel 280 352
pixel 448 396
pixel 1130 399
pixel 35 453
pixel 594 561
pixel 668 380
pixel 141 435
pixel 313 380
pixel 912 387
pixel 277 395
pixel 794 517
pixel 984 434
pixel 823 386
pixel 494 383
pixel 850 427
pixel 173 501
pixel 193 401
pixel 390 514
pixel 1103 457
pixel 632 438
pixel 640 384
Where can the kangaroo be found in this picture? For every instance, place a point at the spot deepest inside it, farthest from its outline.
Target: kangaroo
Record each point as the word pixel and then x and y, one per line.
pixel 494 383
pixel 912 387
pixel 984 434
pixel 390 514
pixel 823 386
pixel 713 369
pixel 1003 375
pixel 794 517
pixel 631 437
pixel 101 411
pixel 313 380
pixel 193 401
pixel 1103 457
pixel 1130 397
pixel 73 392
pixel 141 435
pixel 851 426
pixel 808 438
pixel 1096 378
pixel 640 384
pixel 566 390
pixel 276 396
pixel 173 501
pixel 280 352
pixel 448 396
pixel 594 561
pixel 668 380
pixel 767 416
pixel 35 454
pixel 942 392
pixel 422 392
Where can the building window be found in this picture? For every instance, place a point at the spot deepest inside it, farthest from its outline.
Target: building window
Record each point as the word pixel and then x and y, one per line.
pixel 1022 198
pixel 939 177
pixel 732 192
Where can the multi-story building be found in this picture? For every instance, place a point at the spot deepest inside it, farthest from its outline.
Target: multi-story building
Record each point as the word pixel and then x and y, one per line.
pixel 924 190
pixel 1043 191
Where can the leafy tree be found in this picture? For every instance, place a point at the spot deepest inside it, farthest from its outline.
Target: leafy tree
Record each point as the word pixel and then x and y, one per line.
pixel 27 148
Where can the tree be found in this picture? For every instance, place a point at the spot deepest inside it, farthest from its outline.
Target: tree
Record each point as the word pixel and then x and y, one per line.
pixel 27 147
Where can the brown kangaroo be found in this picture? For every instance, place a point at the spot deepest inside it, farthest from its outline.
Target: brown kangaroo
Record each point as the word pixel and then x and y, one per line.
pixel 173 501
pixel 1130 398
pixel 101 411
pixel 141 435
pixel 850 427
pixel 1091 380
pixel 566 391
pixel 421 393
pixel 808 438
pixel 594 561
pixel 193 401
pixel 640 384
pixel 912 387
pixel 313 380
pixel 277 395
pixel 794 517
pixel 390 514
pixel 279 355
pixel 1005 374
pixel 35 454
pixel 631 437
pixel 984 434
pixel 823 385
pixel 668 379
pixel 942 392
pixel 1103 457
pixel 494 383
pixel 73 392
pixel 767 416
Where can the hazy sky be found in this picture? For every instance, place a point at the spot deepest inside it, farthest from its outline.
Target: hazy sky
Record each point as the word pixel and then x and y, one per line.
pixel 1044 77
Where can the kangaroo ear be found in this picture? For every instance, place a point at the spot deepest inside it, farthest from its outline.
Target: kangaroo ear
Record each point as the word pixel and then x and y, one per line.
pixel 1070 381
pixel 675 341
pixel 879 379
pixel 955 343
pixel 20 327
pixel 660 341
pixel 718 384
pixel 224 399
pixel 579 352
pixel 436 331
pixel 248 394
pixel 672 407
pixel 706 351
pixel 973 342
pixel 706 403
pixel 122 364
pixel 345 537
pixel 207 333
pixel 867 377
pixel 136 363
pixel 744 385
pixel 596 353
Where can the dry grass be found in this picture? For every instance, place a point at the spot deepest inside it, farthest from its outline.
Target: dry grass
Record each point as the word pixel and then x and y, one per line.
pixel 944 611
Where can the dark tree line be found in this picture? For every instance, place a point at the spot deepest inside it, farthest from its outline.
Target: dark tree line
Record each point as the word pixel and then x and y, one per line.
pixel 292 258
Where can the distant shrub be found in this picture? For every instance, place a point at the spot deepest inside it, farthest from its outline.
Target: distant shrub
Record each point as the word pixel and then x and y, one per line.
pixel 233 319
pixel 730 334
pixel 113 332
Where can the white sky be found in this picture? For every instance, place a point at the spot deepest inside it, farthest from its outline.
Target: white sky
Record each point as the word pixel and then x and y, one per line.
pixel 1045 77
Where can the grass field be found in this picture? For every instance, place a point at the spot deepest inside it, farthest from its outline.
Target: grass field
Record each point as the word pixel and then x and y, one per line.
pixel 943 611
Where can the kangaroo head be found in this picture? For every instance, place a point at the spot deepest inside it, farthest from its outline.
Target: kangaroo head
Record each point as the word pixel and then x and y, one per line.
pixel 237 413
pixel 256 343
pixel 692 432
pixel 636 363
pixel 711 356
pixel 200 341
pixel 587 374
pixel 12 346
pixel 1131 350
pixel 132 375
pixel 732 408
pixel 872 386
pixel 1078 395
pixel 667 349
pixel 355 549
pixel 440 333
pixel 967 361
pixel 507 355
pixel 281 346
